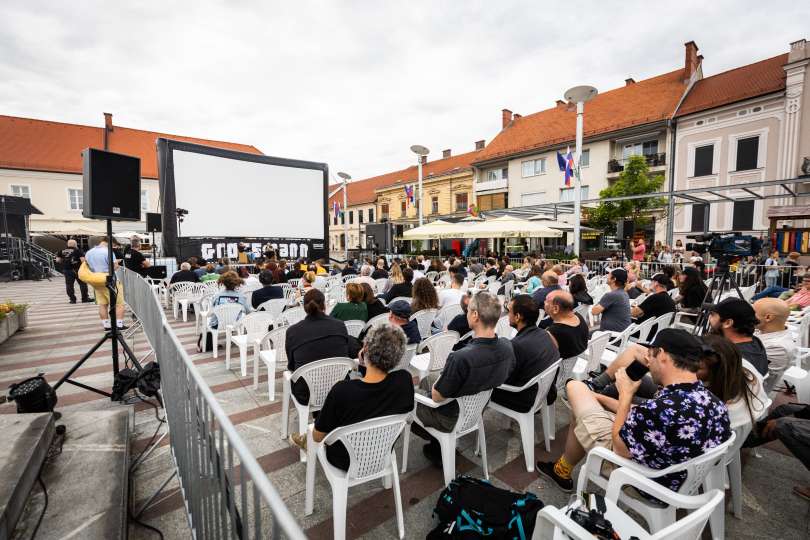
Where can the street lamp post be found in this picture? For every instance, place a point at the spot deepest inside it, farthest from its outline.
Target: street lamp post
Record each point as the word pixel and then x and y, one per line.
pixel 579 95
pixel 345 177
pixel 420 151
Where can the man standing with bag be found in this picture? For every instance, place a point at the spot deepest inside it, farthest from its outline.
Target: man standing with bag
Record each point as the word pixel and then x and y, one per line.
pixel 71 258
pixel 98 261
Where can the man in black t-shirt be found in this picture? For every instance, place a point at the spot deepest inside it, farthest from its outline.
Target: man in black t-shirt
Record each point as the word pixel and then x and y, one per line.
pixel 134 259
pixel 482 365
pixel 383 390
pixel 534 351
pixel 657 304
pixel 568 329
pixel 736 320
pixel 70 259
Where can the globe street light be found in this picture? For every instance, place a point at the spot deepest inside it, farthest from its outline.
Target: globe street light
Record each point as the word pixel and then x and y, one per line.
pixel 420 151
pixel 579 95
pixel 346 179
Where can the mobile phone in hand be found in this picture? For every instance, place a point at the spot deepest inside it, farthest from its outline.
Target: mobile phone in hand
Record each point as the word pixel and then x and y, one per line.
pixel 636 370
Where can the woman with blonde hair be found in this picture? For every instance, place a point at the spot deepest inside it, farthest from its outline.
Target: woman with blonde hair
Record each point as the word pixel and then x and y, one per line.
pixel 355 309
pixel 396 274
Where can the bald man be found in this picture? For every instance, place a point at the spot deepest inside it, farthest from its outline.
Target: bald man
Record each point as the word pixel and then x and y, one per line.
pixel 780 347
pixel 550 282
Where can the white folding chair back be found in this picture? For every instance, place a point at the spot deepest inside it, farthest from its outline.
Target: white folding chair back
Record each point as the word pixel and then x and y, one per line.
pixel 582 310
pixel 270 350
pixel 407 356
pixel 273 306
pixel 639 299
pixel 370 445
pixel 664 321
pixel 424 320
pixel 444 280
pixel 589 360
pixel 226 314
pixel 525 420
pixel 643 330
pixel 354 327
pixel 440 346
pixel 377 320
pixel 244 333
pixel 381 285
pixel 448 313
pixel 504 329
pixel 432 276
pixel 294 282
pixel 294 315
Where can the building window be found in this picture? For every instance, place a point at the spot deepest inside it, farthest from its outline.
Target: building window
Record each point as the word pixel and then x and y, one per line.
pixel 383 212
pixel 371 214
pixel 360 216
pixel 351 217
pixel 747 153
pixel 585 159
pixel 144 200
pixel 21 191
pixel 704 161
pixel 403 208
pixel 646 148
pixel 343 217
pixel 497 174
pixel 494 201
pixel 533 167
pixel 434 205
pixel 700 215
pixel 334 220
pixel 342 241
pixel 461 202
pixel 743 216
pixel 75 199
pixel 567 194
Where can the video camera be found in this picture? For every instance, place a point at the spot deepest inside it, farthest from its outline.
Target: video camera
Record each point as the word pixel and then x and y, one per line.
pixel 725 245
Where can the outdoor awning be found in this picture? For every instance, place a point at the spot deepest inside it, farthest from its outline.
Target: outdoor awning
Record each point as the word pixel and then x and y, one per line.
pixel 509 227
pixel 433 230
pixel 560 225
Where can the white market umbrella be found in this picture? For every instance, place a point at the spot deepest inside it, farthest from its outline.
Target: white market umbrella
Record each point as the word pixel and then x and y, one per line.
pixel 509 227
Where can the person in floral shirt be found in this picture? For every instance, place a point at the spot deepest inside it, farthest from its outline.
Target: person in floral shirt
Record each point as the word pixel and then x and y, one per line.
pixel 681 422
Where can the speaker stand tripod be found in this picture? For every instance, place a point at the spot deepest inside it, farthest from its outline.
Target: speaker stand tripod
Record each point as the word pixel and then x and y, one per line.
pixel 113 334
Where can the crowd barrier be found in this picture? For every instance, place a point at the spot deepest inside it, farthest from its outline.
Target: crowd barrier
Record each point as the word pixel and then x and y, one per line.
pixel 225 491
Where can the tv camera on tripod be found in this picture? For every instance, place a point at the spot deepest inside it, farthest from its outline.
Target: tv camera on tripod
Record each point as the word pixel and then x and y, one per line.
pixel 726 248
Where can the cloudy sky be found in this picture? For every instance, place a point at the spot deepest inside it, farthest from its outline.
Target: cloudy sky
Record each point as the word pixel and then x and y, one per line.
pixel 355 83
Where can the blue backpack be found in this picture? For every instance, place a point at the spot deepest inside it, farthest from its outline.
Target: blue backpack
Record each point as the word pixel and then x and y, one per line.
pixel 474 508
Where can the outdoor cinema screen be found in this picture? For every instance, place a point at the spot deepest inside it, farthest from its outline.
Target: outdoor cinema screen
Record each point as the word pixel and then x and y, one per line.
pixel 233 197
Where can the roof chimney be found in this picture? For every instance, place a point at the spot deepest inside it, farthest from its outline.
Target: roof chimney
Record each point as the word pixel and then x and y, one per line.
pixel 560 103
pixel 628 81
pixel 479 145
pixel 446 153
pixel 516 116
pixel 506 118
pixel 691 59
pixel 108 128
pixel 424 159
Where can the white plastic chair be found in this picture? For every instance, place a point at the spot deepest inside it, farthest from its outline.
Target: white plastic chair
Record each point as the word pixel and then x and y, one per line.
pixel 181 294
pixel 424 320
pixel 470 419
pixel 617 344
pixel 377 320
pixel 705 471
pixel 664 321
pixel 244 333
pixel 370 445
pixel 525 420
pixel 354 327
pixel 643 330
pixel 270 350
pixel 589 360
pixel 448 313
pixel 293 315
pixel 381 285
pixel 504 329
pixel 440 346
pixel 226 314
pixel 320 376
pixel 274 306
pixel 551 520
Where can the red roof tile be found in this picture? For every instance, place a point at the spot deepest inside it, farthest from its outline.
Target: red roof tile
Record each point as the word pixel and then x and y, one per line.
pixel 757 79
pixel 643 102
pixel 42 145
pixel 362 191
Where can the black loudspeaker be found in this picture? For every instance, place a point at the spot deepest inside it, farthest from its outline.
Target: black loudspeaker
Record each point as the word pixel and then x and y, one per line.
pixel 112 186
pixel 153 222
pixel 625 229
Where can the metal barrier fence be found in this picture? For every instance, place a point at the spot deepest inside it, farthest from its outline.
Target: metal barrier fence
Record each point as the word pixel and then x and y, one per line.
pixel 226 492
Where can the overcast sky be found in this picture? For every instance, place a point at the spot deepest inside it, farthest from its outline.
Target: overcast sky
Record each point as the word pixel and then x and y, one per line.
pixel 355 83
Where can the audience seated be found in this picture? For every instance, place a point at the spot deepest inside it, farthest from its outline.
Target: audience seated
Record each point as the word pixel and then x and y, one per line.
pixel 399 313
pixel 459 323
pixel 354 309
pixel 579 290
pixel 568 330
pixel 735 319
pixel 184 274
pixel 534 282
pixel 316 337
pixel 482 365
pixel 534 349
pixel 416 268
pixel 380 272
pixel 453 294
pixel 373 304
pixel 549 280
pixel 209 274
pixel 269 290
pixel 691 289
pixel 349 269
pixel 230 280
pixel 614 306
pixel 658 303
pixel 365 276
pixel 383 390
pixel 402 288
pixel 424 296
pixel 681 422
pixel 772 331
pixel 491 267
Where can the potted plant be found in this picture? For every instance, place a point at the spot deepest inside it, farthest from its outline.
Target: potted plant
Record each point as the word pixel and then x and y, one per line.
pixel 22 313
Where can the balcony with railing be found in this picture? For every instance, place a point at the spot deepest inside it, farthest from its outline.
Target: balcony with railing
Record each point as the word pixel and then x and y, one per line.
pixel 653 160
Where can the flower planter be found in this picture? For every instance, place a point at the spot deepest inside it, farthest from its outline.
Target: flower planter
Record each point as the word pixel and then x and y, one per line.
pixel 8 326
pixel 22 318
pixel 4 329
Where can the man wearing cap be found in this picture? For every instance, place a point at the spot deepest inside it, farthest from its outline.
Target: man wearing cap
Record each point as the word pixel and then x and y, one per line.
pixel 681 422
pixel 657 304
pixel 614 306
pixel 398 315
pixel 735 320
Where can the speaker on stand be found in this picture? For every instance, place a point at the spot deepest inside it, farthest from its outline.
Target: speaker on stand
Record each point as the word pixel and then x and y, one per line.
pixel 154 224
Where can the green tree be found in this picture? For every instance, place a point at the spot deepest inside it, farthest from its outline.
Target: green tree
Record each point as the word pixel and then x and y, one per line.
pixel 635 179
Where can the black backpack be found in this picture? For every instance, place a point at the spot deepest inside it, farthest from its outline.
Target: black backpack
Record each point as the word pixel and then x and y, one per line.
pixel 474 508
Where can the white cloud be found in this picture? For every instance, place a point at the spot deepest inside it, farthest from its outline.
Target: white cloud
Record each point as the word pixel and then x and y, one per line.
pixel 354 83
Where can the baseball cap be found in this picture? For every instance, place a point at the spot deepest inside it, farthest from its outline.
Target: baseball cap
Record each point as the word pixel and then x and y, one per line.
pixel 662 279
pixel 401 309
pixel 735 308
pixel 678 342
pixel 619 274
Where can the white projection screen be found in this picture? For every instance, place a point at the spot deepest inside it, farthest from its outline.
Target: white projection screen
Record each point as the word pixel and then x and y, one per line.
pixel 237 201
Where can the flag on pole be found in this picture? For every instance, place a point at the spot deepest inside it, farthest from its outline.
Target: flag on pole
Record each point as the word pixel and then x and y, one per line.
pixel 409 193
pixel 336 209
pixel 566 164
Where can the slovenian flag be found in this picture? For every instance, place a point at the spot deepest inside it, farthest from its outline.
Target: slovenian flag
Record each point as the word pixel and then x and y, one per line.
pixel 566 164
pixel 409 193
pixel 336 208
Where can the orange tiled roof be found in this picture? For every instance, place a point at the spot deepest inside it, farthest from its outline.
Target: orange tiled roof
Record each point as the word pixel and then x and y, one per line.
pixel 757 79
pixel 363 191
pixel 42 145
pixel 643 102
